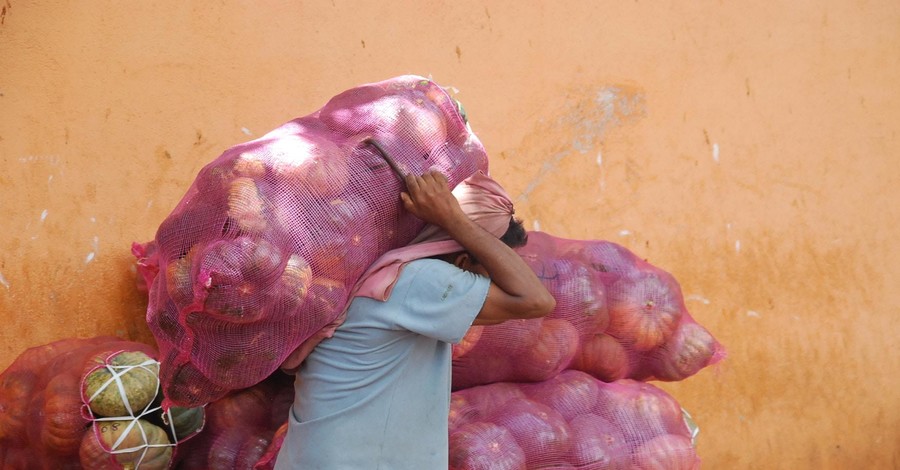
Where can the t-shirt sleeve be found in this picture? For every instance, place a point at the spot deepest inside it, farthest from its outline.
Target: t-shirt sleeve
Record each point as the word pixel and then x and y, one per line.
pixel 439 300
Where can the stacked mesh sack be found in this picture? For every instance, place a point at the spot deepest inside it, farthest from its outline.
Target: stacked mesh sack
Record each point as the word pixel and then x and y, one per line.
pixel 90 403
pixel 263 248
pixel 260 254
pixel 571 390
pixel 243 430
pixel 616 317
pixel 572 421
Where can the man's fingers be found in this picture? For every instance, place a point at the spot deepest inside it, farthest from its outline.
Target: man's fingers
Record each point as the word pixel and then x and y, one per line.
pixel 434 177
pixel 407 201
pixel 412 182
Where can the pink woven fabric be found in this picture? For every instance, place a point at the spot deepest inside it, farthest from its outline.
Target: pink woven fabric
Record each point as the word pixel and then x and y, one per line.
pixel 479 196
pixel 261 253
pixel 617 316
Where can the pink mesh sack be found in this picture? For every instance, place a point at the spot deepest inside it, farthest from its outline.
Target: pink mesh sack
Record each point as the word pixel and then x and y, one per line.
pixel 616 316
pixel 242 428
pixel 267 461
pixel 261 252
pixel 92 403
pixel 571 421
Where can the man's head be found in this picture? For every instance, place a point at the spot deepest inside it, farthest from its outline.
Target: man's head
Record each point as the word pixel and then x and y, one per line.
pixel 484 201
pixel 515 236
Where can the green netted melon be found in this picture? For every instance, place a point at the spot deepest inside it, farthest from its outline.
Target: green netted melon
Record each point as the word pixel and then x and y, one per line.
pixel 185 421
pixel 97 446
pixel 140 384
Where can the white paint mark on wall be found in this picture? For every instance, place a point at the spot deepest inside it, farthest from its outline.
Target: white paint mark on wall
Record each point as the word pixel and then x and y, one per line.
pixel 537 226
pixel 95 244
pixel 716 152
pixel 149 203
pixel 49 179
pixel 698 298
pixel 4 282
pixel 246 131
pixel 52 159
pixel 610 106
pixel 737 246
pixel 44 215
pixel 602 176
pixel 624 233
pixel 752 313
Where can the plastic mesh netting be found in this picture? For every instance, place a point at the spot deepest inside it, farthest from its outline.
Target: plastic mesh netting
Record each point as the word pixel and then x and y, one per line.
pixel 617 316
pixel 570 421
pixel 89 403
pixel 261 252
pixel 241 428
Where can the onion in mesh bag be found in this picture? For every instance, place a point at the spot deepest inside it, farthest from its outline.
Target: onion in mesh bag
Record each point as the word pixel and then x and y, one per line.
pixel 16 388
pixel 597 443
pixel 644 310
pixel 485 446
pixel 63 425
pixel 541 432
pixel 690 348
pixel 604 357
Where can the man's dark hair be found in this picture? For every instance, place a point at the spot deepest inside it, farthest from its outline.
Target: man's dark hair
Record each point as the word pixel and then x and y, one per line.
pixel 516 236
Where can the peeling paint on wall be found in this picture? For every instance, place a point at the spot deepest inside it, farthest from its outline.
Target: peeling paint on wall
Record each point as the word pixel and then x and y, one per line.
pixel 589 119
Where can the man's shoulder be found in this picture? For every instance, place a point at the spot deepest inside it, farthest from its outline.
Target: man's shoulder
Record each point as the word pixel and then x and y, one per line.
pixel 428 267
pixel 427 273
pixel 426 263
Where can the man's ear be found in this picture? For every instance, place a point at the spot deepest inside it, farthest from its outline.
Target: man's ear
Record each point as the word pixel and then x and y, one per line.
pixel 462 261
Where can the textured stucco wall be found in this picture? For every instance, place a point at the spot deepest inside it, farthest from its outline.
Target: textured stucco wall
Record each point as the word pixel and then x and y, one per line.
pixel 750 150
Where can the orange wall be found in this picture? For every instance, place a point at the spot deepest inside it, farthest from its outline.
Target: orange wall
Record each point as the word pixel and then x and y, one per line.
pixel 749 150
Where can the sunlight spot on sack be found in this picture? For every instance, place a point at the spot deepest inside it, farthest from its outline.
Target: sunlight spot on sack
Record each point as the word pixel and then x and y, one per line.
pixel 715 150
pixel 753 313
pixel 624 233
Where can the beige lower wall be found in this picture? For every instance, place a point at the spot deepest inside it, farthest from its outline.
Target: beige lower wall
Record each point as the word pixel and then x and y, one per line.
pixel 749 149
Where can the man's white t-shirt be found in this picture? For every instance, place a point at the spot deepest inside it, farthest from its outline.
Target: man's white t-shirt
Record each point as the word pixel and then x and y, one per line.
pixel 376 395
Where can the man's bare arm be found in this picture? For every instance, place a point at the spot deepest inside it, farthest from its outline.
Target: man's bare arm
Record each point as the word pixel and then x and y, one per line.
pixel 515 290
